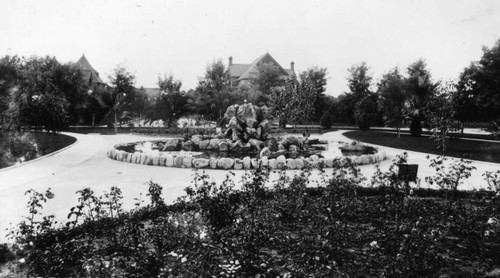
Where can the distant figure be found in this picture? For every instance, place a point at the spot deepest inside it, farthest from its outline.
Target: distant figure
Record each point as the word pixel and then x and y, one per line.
pixel 306 134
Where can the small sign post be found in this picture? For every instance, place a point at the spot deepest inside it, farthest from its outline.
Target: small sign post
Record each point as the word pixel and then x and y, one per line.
pixel 408 173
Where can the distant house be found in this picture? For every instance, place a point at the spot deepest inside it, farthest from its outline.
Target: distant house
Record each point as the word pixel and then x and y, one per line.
pixel 245 73
pixel 152 93
pixel 89 74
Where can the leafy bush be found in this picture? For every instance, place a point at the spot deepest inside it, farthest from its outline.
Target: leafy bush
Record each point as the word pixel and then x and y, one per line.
pixel 5 254
pixel 47 111
pixel 365 111
pixel 326 120
pixel 292 226
pixel 450 177
pixel 494 128
pixel 16 147
pixel 416 127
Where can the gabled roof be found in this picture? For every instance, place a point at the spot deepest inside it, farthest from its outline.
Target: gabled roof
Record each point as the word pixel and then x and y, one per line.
pixel 88 72
pixel 290 72
pixel 238 69
pixel 249 71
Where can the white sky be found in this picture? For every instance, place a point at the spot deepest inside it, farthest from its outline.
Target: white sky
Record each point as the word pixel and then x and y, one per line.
pixel 181 37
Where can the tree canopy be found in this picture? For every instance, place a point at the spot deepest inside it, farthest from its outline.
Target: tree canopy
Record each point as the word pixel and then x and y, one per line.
pixel 392 99
pixel 317 77
pixel 359 80
pixel 478 90
pixel 172 103
pixel 359 83
pixel 268 77
pixel 293 102
pixel 419 88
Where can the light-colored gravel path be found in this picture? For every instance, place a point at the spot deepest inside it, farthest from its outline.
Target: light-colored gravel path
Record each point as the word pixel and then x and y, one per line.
pixel 85 164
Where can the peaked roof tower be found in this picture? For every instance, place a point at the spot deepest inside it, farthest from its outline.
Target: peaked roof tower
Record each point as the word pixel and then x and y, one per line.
pixel 240 72
pixel 88 72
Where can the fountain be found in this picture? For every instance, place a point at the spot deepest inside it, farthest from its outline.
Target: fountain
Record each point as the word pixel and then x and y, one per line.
pixel 246 144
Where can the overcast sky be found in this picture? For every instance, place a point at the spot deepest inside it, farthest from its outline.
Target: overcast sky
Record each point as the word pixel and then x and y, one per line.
pixel 181 37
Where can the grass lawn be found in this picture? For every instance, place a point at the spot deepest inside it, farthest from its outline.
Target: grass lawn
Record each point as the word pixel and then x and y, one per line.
pixel 20 147
pixel 48 142
pixel 461 148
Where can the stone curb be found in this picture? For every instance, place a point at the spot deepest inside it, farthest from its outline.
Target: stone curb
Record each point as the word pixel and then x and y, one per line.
pixel 245 163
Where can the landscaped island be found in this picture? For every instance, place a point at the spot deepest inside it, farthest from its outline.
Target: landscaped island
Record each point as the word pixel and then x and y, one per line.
pixel 246 144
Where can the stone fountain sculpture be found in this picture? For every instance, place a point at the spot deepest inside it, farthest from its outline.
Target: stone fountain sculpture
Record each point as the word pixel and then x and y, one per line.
pixel 248 126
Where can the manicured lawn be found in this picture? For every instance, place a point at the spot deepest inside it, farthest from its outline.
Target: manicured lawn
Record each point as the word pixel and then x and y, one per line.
pixel 48 142
pixel 461 148
pixel 24 146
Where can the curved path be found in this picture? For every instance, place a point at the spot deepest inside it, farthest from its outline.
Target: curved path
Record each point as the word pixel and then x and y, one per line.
pixel 474 182
pixel 85 164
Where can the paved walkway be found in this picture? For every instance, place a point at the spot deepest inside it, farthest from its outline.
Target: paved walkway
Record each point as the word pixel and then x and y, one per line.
pixel 85 164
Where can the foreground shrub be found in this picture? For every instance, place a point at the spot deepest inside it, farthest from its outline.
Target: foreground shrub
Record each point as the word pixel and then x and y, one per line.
pixel 293 226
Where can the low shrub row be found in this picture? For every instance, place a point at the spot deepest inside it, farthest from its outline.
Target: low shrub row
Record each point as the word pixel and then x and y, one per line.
pixel 174 130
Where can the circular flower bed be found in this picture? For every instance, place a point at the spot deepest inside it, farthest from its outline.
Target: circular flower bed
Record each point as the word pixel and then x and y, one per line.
pixel 217 152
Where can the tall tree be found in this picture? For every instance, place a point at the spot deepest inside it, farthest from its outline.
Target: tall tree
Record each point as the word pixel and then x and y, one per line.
pixel 172 103
pixel 97 104
pixel 36 78
pixel 488 81
pixel 216 77
pixel 440 114
pixel 420 88
pixel 293 102
pixel 213 90
pixel 464 98
pixel 168 83
pixel 41 97
pixel 362 101
pixel 365 111
pixel 269 76
pixel 342 108
pixel 359 80
pixel 124 95
pixel 392 99
pixel 9 80
pixel 317 76
pixel 67 77
pixel 479 89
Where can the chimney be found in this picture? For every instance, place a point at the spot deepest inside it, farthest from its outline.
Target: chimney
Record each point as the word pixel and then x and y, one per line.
pixel 230 60
pixel 292 66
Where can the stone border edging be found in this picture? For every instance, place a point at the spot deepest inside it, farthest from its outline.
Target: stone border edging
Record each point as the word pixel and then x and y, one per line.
pixel 43 156
pixel 226 163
